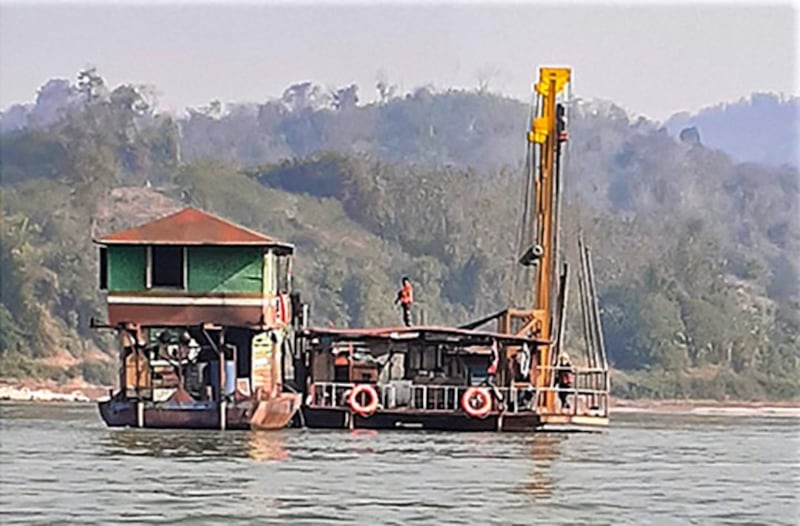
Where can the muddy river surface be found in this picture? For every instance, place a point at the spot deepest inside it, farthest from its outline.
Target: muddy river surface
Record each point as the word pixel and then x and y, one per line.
pixel 60 465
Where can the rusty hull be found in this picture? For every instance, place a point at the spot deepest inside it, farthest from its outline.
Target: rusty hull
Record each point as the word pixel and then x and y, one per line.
pixel 275 413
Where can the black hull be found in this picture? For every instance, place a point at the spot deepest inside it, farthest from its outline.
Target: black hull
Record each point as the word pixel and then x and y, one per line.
pixel 117 413
pixel 330 418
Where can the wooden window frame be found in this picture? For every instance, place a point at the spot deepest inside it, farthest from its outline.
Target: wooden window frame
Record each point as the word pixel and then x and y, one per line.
pixel 149 270
pixel 102 262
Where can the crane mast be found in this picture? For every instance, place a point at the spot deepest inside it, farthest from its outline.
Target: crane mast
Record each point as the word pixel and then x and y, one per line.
pixel 546 134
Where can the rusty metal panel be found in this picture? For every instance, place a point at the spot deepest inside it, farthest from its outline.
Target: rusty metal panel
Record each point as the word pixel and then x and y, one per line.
pixel 275 413
pixel 168 315
pixel 455 335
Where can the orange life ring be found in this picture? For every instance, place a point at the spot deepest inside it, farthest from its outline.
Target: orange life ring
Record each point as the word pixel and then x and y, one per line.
pixel 372 396
pixel 485 407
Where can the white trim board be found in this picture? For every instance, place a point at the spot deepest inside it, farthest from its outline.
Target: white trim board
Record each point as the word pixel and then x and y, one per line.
pixel 183 301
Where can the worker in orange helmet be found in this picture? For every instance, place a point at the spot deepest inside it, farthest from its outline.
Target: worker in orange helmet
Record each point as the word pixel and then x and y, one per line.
pixel 405 297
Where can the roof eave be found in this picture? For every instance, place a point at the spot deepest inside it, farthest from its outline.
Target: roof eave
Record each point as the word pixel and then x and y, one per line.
pixel 286 247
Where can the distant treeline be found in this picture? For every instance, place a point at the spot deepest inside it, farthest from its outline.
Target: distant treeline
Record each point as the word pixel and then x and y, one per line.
pixel 696 256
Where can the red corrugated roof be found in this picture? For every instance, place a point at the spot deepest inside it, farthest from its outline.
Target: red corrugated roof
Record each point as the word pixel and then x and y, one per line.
pixel 190 226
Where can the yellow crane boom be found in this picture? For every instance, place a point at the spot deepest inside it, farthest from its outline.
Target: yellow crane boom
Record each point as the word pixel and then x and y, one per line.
pixel 546 135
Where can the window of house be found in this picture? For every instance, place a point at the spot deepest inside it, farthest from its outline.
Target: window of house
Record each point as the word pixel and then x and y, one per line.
pixel 167 267
pixel 282 267
pixel 103 268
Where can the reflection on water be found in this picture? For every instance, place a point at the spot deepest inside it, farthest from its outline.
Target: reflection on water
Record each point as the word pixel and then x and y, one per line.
pixel 60 464
pixel 169 443
pixel 261 446
pixel 267 445
pixel 543 451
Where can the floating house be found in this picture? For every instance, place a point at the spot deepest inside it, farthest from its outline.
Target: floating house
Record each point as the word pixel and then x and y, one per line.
pixel 203 310
pixel 192 267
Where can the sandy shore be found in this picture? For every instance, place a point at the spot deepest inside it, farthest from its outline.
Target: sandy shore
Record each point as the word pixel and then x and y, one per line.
pixel 45 391
pixel 708 407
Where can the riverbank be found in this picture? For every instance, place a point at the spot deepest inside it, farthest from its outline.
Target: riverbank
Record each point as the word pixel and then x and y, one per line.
pixel 49 391
pixel 708 407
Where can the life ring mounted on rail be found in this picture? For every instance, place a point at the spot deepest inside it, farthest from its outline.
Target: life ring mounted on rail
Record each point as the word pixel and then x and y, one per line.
pixel 370 406
pixel 484 398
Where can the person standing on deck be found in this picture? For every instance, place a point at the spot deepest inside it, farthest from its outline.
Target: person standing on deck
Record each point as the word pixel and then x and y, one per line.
pixel 491 371
pixel 564 379
pixel 405 297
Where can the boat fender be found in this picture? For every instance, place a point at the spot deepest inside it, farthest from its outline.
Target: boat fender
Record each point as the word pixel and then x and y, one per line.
pixel 484 406
pixel 364 409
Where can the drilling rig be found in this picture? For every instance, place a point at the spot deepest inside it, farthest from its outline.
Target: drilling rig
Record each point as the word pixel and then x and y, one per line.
pixel 463 379
pixel 539 238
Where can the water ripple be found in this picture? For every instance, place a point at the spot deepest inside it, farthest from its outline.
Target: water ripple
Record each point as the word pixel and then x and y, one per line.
pixel 60 464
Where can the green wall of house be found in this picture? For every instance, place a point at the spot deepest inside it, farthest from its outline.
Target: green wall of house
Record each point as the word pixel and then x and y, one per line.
pixel 126 268
pixel 225 269
pixel 209 269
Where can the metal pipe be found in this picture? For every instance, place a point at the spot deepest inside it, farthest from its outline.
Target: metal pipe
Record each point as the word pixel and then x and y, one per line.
pixel 562 316
pixel 589 313
pixel 596 312
pixel 585 316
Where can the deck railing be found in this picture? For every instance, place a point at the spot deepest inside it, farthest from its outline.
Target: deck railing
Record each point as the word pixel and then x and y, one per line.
pixel 588 395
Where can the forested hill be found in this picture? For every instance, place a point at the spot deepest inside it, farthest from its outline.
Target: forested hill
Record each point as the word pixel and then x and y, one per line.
pixel 762 128
pixel 696 255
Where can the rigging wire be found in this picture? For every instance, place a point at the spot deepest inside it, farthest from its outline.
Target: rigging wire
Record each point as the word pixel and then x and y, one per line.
pixel 523 232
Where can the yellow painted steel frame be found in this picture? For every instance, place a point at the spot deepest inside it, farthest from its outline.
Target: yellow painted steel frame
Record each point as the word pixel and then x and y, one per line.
pixel 536 321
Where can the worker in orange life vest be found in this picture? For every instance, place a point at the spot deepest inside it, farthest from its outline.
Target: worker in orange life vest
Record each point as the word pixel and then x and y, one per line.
pixel 405 297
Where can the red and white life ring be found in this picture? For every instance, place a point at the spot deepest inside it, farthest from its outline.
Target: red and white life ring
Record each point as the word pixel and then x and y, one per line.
pixel 484 406
pixel 364 409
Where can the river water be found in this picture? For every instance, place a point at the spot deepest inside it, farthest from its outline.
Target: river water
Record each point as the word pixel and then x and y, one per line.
pixel 60 464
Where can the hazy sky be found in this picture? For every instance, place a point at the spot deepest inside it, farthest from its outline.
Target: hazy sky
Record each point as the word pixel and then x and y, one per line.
pixel 652 59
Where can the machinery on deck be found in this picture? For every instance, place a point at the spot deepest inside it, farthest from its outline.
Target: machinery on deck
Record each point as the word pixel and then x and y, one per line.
pixel 452 378
pixel 540 236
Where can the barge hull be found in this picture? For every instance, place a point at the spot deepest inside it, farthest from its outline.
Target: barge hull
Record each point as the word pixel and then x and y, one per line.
pixel 334 418
pixel 124 414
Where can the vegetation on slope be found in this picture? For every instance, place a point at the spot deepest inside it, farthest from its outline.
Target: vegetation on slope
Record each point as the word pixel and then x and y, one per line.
pixel 696 256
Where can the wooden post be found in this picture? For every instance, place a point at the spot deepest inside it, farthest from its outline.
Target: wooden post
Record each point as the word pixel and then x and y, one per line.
pixel 350 362
pixel 221 390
